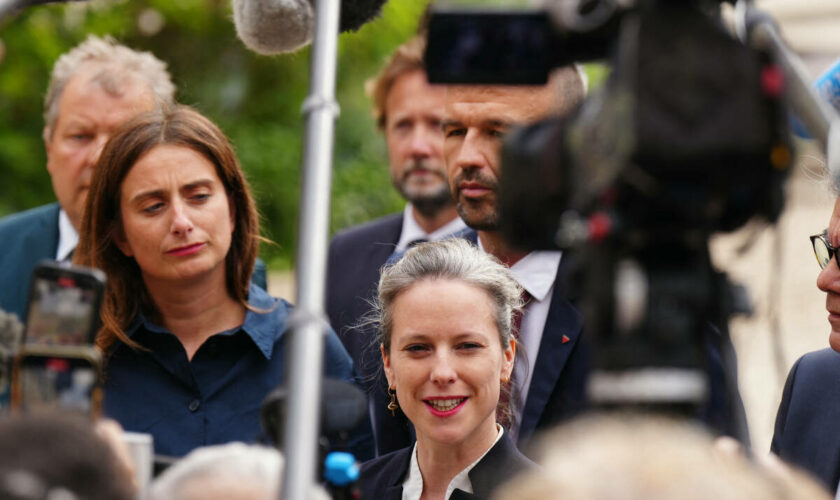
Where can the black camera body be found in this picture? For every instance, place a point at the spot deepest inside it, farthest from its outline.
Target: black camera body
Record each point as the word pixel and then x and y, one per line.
pixel 688 137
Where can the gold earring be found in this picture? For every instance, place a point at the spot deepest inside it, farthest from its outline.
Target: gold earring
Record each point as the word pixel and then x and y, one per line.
pixel 393 404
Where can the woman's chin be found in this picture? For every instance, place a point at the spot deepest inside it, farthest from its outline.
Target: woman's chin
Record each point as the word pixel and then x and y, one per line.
pixel 445 435
pixel 834 340
pixel 447 440
pixel 186 272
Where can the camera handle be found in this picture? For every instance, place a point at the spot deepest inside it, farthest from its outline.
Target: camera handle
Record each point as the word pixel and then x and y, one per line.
pixel 758 30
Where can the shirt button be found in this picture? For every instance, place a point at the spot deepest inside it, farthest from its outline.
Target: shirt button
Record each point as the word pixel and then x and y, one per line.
pixel 194 404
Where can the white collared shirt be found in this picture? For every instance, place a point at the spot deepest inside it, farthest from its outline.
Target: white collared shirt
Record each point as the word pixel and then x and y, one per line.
pixel 413 484
pixel 535 273
pixel 411 230
pixel 68 238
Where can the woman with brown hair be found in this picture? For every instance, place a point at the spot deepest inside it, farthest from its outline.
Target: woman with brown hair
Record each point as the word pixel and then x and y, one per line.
pixel 191 347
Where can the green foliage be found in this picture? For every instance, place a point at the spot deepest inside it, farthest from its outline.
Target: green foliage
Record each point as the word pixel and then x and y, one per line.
pixel 597 74
pixel 255 99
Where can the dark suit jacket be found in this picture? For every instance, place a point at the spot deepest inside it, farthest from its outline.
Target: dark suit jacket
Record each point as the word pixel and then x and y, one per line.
pixel 356 256
pixel 807 430
pixel 32 236
pixel 557 389
pixel 28 238
pixel 382 478
pixel 558 384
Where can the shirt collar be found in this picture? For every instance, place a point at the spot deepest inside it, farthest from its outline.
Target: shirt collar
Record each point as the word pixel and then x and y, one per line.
pixel 68 238
pixel 411 230
pixel 259 325
pixel 413 485
pixel 536 271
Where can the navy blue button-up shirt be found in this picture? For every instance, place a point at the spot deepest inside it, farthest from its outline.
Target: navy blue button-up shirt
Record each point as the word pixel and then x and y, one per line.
pixel 214 398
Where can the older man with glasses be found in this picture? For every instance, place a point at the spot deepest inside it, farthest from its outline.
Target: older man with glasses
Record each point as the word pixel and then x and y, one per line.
pixel 807 430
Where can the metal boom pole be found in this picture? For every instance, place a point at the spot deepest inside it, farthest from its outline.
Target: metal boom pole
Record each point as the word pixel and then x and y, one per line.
pixel 305 358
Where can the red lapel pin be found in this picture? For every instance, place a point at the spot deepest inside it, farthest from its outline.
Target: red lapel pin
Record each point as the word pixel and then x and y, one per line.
pixel 565 339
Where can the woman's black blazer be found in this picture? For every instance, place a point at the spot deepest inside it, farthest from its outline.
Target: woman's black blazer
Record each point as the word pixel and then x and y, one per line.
pixel 382 478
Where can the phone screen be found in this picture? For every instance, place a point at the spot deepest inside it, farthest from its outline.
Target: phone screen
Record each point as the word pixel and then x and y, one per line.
pixel 63 310
pixel 57 383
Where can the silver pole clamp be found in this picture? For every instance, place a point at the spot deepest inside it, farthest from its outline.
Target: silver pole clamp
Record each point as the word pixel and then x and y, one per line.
pixel 317 103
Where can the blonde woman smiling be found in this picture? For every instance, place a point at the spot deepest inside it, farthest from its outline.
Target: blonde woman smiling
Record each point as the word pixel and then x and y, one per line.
pixel 445 313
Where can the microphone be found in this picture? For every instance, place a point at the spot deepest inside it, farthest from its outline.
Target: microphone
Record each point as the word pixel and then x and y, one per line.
pixel 343 406
pixel 828 85
pixel 277 26
pixel 828 88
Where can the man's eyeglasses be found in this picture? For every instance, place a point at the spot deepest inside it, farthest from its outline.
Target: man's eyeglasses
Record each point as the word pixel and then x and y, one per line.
pixel 823 249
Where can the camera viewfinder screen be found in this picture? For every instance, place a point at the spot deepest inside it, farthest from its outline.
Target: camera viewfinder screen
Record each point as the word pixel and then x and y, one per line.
pixel 489 48
pixel 60 313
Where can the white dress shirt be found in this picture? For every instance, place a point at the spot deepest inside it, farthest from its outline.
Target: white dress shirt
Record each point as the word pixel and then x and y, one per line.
pixel 68 238
pixel 411 230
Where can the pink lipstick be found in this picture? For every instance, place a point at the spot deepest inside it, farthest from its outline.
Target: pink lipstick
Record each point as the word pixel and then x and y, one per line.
pixel 445 406
pixel 186 250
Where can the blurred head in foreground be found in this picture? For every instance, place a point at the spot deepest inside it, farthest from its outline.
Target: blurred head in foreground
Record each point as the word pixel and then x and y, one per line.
pixel 48 456
pixel 234 471
pixel 633 457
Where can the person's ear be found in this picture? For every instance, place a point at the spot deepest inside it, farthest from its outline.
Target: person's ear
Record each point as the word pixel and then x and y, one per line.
pixel 46 134
pixel 386 364
pixel 508 357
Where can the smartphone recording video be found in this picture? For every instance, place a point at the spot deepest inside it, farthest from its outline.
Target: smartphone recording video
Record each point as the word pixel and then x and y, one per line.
pixel 63 307
pixel 58 382
pixel 57 367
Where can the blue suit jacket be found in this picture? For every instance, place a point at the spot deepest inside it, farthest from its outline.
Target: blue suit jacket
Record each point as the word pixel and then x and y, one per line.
pixel 807 430
pixel 32 236
pixel 28 238
pixel 382 478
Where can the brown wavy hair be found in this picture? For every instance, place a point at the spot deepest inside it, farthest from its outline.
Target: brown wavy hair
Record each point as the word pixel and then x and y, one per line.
pixel 125 292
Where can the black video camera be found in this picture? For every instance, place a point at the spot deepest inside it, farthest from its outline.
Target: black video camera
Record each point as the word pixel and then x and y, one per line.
pixel 688 137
